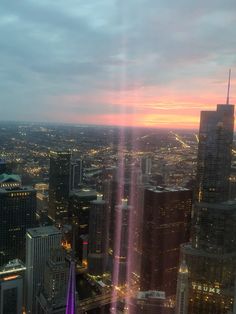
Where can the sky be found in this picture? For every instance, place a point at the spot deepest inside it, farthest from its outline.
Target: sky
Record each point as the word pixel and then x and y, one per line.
pixel 154 63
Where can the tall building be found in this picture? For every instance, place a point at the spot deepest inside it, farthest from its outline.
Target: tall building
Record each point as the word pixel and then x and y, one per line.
pixel 98 236
pixel 146 165
pixel 166 225
pixel 211 255
pixel 59 185
pixel 77 173
pixel 52 298
pixel 11 287
pixel 182 290
pixel 80 205
pixel 214 154
pixel 39 243
pixel 17 213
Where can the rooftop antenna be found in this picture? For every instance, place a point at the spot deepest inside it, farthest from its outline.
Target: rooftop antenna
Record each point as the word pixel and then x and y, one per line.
pixel 227 100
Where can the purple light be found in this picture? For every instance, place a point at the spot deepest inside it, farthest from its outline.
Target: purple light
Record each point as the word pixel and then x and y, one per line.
pixel 70 302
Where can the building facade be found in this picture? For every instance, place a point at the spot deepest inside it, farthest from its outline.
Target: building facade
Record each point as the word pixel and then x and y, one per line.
pixel 17 213
pixel 52 298
pixel 214 154
pixel 98 237
pixel 166 225
pixel 11 287
pixel 39 243
pixel 211 255
pixel 59 186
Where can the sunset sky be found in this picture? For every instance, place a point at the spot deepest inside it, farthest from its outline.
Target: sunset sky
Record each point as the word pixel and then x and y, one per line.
pixel 117 62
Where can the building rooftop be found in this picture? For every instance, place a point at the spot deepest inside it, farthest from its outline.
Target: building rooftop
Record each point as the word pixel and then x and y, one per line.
pixel 9 178
pixel 43 231
pixel 12 266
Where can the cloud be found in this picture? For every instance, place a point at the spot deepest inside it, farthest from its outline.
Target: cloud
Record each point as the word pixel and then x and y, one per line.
pixel 132 53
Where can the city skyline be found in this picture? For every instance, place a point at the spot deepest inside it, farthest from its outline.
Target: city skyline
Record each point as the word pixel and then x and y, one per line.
pixel 90 63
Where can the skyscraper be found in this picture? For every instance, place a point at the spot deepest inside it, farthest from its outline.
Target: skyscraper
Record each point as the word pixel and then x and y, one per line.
pixel 80 205
pixel 98 236
pixel 52 298
pixel 59 185
pixel 39 243
pixel 214 154
pixel 211 255
pixel 77 173
pixel 182 289
pixel 166 225
pixel 17 213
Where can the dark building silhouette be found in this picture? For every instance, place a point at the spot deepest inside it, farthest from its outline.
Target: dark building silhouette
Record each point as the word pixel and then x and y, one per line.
pixel 166 225
pixel 17 213
pixel 52 298
pixel 98 237
pixel 80 204
pixel 214 154
pixel 11 287
pixel 77 173
pixel 59 186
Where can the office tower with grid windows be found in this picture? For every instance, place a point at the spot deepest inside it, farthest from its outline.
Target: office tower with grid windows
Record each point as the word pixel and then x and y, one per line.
pixel 59 186
pixel 39 244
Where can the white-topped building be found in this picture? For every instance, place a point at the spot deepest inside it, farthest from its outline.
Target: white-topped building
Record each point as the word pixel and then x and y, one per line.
pixel 39 243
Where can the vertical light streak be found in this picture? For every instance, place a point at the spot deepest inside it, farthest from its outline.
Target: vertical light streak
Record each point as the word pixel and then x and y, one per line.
pixel 118 221
pixel 121 169
pixel 133 225
pixel 70 302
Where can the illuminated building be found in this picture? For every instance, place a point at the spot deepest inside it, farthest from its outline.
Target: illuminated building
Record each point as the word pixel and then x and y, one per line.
pixel 211 255
pixel 11 292
pixel 8 181
pixel 52 299
pixel 39 243
pixel 11 287
pixel 182 289
pixel 150 302
pixel 211 258
pixel 17 213
pixel 59 186
pixel 80 204
pixel 98 237
pixel 166 225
